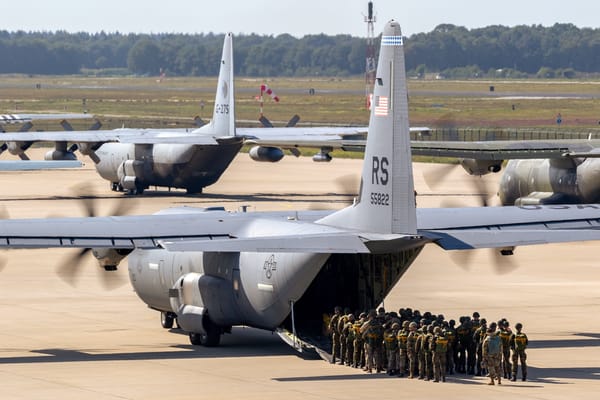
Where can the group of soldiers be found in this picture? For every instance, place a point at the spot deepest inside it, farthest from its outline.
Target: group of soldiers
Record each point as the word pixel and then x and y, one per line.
pixel 427 346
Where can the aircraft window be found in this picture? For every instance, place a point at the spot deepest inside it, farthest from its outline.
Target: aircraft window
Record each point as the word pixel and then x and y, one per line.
pixel 380 81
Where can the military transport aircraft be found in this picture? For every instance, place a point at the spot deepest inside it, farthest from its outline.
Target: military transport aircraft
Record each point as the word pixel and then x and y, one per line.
pixel 212 269
pixel 134 159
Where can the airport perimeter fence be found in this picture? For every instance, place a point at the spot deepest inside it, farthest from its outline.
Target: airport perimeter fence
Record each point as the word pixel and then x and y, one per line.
pixel 490 134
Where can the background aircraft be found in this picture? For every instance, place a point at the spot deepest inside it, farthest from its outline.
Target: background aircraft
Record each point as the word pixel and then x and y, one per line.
pixel 134 159
pixel 212 269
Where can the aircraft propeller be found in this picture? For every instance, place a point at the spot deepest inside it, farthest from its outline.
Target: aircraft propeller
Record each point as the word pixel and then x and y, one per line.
pixel 500 259
pixel 70 268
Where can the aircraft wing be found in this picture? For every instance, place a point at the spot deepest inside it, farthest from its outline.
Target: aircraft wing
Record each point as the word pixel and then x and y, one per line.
pixel 124 135
pixel 199 230
pixel 497 227
pixel 22 118
pixel 29 165
pixel 507 149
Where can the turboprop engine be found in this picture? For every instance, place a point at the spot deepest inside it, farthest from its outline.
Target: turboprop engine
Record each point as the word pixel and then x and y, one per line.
pixel 266 154
pixel 480 167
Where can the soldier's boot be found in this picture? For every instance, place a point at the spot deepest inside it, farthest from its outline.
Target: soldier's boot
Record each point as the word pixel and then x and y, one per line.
pixel 499 380
pixel 491 382
pixel 524 377
pixel 444 378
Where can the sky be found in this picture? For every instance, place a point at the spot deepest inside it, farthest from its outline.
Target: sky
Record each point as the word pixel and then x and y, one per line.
pixel 274 17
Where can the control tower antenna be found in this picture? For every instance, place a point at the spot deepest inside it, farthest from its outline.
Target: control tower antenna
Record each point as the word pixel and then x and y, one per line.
pixel 370 67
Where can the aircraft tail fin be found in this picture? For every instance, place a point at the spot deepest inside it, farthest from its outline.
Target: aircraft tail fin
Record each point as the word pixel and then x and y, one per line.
pixel 386 202
pixel 223 120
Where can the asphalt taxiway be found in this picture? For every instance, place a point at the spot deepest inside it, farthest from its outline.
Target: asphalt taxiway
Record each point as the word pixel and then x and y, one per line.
pixel 70 342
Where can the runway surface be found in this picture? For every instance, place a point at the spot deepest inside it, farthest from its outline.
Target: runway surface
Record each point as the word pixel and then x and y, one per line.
pixel 64 342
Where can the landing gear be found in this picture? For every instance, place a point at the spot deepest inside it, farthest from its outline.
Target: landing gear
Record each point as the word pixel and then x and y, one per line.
pixel 211 338
pixel 167 319
pixel 193 190
pixel 116 187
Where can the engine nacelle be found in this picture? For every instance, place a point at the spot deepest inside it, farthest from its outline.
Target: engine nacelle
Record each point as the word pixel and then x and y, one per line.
pixel 109 258
pixel 128 173
pixel 55 155
pixel 186 302
pixel 480 167
pixel 18 148
pixel 323 155
pixel 266 154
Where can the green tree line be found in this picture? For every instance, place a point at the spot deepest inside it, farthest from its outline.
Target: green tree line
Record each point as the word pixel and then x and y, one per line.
pixel 562 49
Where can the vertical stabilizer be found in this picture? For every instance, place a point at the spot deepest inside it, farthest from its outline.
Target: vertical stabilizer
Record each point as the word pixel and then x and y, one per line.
pixel 223 120
pixel 386 201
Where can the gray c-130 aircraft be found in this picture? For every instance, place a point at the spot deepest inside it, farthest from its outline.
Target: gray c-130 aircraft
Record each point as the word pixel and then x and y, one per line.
pixel 211 269
pixel 134 159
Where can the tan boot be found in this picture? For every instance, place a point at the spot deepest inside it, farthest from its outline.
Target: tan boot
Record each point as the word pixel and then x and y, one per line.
pixel 491 382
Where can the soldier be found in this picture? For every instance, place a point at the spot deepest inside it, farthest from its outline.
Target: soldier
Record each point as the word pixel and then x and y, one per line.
pixel 402 338
pixel 465 337
pixel 492 355
pixel 505 334
pixel 391 348
pixel 411 351
pixel 440 349
pixel 335 336
pixel 359 343
pixel 428 347
pixel 478 338
pixel 372 332
pixel 518 344
pixel 472 346
pixel 342 320
pixel 348 334
pixel 420 351
pixel 450 334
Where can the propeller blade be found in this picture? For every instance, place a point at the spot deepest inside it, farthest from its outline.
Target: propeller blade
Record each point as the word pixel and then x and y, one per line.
pixel 111 279
pixel 70 268
pixel 435 175
pixel 503 264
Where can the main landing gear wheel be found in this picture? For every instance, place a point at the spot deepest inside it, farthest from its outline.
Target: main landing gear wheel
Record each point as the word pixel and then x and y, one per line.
pixel 211 338
pixel 167 319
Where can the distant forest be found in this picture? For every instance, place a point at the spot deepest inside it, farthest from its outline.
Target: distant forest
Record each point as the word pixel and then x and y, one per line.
pixel 562 50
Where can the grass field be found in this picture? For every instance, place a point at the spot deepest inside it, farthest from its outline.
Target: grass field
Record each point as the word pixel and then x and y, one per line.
pixel 144 102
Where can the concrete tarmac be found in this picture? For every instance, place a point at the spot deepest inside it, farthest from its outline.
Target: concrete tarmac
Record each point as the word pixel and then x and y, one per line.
pixel 85 341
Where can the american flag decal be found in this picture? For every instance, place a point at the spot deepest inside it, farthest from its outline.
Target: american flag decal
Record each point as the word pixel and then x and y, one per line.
pixel 381 109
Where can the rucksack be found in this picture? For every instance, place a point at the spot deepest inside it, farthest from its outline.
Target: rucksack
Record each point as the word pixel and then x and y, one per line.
pixel 494 344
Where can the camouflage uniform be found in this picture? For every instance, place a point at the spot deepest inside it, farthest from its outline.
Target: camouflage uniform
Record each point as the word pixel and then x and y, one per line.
pixel 478 338
pixel 342 320
pixel 348 334
pixel 440 349
pixel 450 333
pixel 428 346
pixel 472 346
pixel 493 360
pixel 402 338
pixel 420 350
pixel 372 332
pixel 359 344
pixel 465 337
pixel 411 352
pixel 505 334
pixel 391 348
pixel 518 344
pixel 335 336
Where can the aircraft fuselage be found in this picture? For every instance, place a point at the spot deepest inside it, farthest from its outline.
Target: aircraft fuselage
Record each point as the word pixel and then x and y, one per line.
pixel 569 180
pixel 135 167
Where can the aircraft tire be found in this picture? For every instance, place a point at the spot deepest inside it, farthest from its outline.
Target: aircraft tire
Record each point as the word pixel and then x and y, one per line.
pixel 193 190
pixel 195 338
pixel 211 338
pixel 166 320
